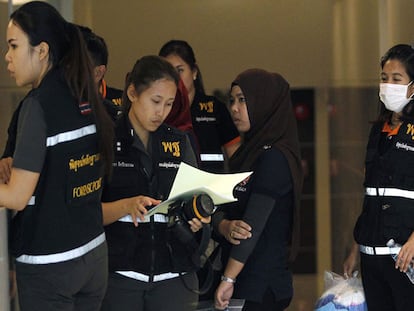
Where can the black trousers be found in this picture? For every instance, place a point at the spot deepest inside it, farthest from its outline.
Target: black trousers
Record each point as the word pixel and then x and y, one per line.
pixel 386 288
pixel 78 284
pixel 268 304
pixel 128 294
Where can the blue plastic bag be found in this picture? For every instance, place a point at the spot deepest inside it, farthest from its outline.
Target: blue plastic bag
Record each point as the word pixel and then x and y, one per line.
pixel 342 294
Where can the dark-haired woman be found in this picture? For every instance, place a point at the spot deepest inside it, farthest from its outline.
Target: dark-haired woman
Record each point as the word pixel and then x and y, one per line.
pixel 63 150
pixel 150 269
pixel 216 134
pixel 387 211
pixel 261 225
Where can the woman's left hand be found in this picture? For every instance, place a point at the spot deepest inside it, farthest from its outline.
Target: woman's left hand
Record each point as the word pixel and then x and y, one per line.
pixel 406 255
pixel 196 224
pixel 223 295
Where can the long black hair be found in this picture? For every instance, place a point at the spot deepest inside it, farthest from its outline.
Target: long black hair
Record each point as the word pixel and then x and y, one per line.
pixel 182 49
pixel 67 50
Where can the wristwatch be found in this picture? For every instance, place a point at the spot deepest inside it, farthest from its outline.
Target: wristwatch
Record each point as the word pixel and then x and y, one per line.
pixel 227 279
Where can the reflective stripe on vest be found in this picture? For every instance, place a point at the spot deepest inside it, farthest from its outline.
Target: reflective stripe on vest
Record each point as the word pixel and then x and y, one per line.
pixel 64 256
pixel 379 250
pixel 32 200
pixel 207 157
pixel 389 192
pixel 70 135
pixel 146 278
pixel 157 218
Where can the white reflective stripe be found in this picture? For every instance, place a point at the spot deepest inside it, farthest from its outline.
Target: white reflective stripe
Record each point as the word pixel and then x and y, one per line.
pixel 64 256
pixel 379 250
pixel 145 278
pixel 32 200
pixel 211 157
pixel 134 275
pixel 166 276
pixel 389 192
pixel 71 135
pixel 157 218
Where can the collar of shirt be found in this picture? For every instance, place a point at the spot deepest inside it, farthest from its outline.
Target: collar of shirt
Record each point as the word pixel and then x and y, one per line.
pixel 390 132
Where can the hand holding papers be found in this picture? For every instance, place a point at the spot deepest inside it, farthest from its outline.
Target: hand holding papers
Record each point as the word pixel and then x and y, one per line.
pixel 190 180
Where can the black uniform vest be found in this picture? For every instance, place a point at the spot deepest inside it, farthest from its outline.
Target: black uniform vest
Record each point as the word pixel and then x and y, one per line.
pixel 213 128
pixel 389 163
pixel 144 249
pixel 65 211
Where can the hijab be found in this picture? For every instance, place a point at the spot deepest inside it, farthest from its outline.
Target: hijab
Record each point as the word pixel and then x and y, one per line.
pixel 272 123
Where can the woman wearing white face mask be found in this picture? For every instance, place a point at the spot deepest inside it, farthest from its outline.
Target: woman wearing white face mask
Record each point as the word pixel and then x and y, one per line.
pixel 388 209
pixel 394 96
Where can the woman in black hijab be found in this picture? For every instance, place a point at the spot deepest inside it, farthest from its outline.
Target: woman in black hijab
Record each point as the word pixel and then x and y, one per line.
pixel 263 223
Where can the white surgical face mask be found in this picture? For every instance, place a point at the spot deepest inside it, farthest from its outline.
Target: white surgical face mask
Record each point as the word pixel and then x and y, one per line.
pixel 394 96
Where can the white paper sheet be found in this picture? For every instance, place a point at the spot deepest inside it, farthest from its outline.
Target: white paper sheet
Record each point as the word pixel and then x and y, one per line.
pixel 190 180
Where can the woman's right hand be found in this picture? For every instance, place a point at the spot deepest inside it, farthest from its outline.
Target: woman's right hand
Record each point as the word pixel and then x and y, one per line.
pixel 351 261
pixel 137 207
pixel 235 230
